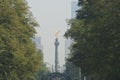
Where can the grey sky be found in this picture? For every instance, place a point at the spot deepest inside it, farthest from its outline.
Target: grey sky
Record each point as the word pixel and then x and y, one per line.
pixel 51 15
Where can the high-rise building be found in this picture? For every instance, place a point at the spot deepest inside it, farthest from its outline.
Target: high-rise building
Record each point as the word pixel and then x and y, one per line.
pixel 73 72
pixel 67 47
pixel 68 42
pixel 74 8
pixel 37 41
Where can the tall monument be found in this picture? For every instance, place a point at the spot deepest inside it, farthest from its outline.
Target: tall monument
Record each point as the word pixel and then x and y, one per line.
pixel 57 75
pixel 56 51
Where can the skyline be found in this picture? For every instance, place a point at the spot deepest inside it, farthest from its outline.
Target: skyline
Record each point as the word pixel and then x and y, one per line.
pixel 51 20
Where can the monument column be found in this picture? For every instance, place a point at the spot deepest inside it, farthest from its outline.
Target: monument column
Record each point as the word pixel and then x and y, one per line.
pixel 56 54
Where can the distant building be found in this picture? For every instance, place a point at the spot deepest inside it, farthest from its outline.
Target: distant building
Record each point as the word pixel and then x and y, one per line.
pixel 67 47
pixel 71 70
pixel 74 8
pixel 37 41
pixel 68 42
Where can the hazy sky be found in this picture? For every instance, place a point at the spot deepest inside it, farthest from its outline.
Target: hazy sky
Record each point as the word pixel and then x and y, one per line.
pixel 51 15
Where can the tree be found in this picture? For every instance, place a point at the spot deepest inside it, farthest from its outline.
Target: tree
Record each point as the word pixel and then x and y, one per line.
pixel 72 71
pixel 19 59
pixel 43 71
pixel 96 35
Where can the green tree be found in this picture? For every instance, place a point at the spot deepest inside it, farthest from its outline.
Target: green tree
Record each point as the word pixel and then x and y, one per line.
pixel 72 71
pixel 19 59
pixel 43 71
pixel 97 40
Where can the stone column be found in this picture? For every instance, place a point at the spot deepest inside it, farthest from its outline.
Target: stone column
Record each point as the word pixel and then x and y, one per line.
pixel 56 54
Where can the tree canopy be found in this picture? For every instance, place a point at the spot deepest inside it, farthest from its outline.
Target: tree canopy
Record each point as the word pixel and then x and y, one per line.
pixel 19 59
pixel 96 35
